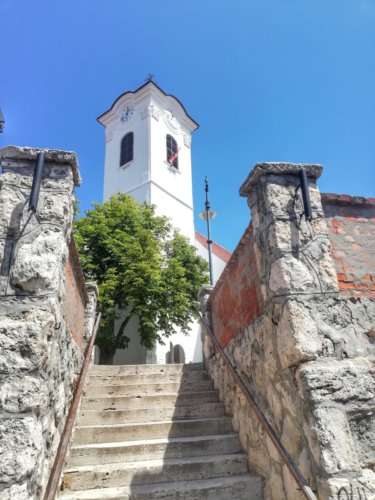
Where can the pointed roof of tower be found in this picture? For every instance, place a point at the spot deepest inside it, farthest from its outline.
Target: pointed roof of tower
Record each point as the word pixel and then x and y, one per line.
pixel 151 84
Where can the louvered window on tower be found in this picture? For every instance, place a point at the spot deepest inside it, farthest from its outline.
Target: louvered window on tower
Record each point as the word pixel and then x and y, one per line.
pixel 172 152
pixel 127 148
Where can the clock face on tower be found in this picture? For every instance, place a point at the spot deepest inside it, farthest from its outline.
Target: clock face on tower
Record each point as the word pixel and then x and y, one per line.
pixel 126 114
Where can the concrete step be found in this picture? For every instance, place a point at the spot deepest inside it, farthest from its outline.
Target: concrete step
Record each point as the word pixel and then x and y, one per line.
pixel 151 430
pixel 243 487
pixel 155 432
pixel 154 471
pixel 153 449
pixel 144 369
pixel 147 389
pixel 147 401
pixel 156 378
pixel 102 417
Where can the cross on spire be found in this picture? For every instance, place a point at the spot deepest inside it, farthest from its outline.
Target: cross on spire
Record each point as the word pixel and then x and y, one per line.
pixel 149 77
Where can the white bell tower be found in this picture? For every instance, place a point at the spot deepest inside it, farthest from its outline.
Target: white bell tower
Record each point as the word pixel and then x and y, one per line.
pixel 148 138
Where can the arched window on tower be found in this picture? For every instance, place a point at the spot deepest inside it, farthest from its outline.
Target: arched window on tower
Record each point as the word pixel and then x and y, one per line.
pixel 127 148
pixel 172 152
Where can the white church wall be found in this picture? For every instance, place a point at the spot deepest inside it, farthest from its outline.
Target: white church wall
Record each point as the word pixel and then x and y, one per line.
pixel 218 264
pixel 191 345
pixel 181 216
pixel 175 183
pixel 151 115
pixel 132 176
pixel 135 353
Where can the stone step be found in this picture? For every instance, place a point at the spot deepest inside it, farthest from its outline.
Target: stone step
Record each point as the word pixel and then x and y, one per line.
pixel 101 417
pixel 242 487
pixel 154 471
pixel 156 378
pixel 153 449
pixel 147 389
pixel 158 400
pixel 151 430
pixel 144 369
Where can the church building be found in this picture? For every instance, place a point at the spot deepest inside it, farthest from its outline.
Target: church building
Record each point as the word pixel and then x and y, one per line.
pixel 148 156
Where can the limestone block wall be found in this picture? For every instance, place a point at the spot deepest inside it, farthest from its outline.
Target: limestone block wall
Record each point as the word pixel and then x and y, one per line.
pixel 307 356
pixel 41 347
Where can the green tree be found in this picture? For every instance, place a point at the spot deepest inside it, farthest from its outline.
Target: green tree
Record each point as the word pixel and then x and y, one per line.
pixel 143 268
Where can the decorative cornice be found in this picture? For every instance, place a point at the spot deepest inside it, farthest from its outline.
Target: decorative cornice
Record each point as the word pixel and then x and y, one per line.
pixel 141 91
pixel 171 121
pixel 187 140
pixel 151 110
pixel 109 133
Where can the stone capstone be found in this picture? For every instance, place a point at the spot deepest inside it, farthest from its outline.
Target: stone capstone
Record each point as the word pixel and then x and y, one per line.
pixel 278 168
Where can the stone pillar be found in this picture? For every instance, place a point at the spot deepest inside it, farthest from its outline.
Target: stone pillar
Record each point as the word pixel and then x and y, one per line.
pixel 92 293
pixel 293 255
pixel 314 390
pixel 207 345
pixel 39 356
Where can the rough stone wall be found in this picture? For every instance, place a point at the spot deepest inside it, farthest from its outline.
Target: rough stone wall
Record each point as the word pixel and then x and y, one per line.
pixel 308 358
pixel 351 226
pixel 39 358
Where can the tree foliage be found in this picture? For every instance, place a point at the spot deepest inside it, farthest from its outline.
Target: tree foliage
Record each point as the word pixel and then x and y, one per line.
pixel 143 268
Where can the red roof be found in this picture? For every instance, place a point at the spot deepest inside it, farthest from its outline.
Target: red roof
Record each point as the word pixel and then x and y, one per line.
pixel 217 250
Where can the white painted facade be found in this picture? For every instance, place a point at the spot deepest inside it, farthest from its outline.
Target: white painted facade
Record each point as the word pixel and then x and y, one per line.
pixel 151 114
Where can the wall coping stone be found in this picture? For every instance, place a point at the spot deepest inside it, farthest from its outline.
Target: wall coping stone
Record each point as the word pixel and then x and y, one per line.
pixel 347 199
pixel 52 155
pixel 277 168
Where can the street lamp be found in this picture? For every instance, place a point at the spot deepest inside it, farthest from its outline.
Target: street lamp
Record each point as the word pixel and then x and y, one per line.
pixel 207 215
pixel 2 121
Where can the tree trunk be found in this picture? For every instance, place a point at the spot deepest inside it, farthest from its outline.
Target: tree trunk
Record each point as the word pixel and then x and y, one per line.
pixel 106 358
pixel 123 325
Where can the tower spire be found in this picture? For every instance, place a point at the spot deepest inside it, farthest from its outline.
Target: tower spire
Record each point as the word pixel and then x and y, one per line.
pixel 150 77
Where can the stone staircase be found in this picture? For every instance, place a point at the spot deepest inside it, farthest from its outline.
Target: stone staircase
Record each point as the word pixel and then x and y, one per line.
pixel 155 431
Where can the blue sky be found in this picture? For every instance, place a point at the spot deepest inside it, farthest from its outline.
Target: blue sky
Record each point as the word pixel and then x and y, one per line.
pixel 267 80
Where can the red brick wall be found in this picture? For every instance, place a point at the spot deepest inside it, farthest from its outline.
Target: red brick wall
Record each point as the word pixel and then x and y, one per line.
pixel 75 299
pixel 236 300
pixel 351 225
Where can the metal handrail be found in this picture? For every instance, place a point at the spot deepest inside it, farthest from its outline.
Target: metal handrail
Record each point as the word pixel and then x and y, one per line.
pixel 293 469
pixel 58 464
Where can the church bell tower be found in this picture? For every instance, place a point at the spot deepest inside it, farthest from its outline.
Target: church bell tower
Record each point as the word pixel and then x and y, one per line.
pixel 148 139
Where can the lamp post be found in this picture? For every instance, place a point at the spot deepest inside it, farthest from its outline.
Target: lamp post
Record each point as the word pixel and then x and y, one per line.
pixel 2 121
pixel 207 215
